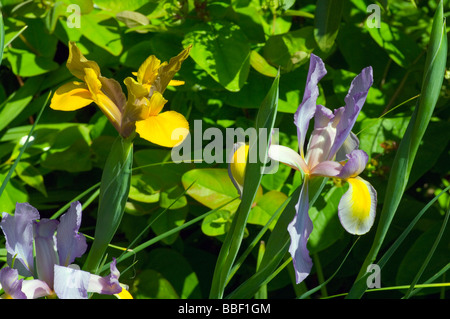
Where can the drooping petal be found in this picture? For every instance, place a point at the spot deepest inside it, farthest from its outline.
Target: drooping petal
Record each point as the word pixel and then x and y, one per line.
pixel 36 288
pixel 18 230
pixel 357 161
pixel 112 89
pixel 108 285
pixel 77 62
pixel 70 243
pixel 307 108
pixel 299 229
pixel 11 285
pixel 357 207
pixel 45 246
pixel 71 96
pixel 71 283
pixel 237 165
pixel 354 101
pixel 287 156
pixel 166 129
pixel 157 102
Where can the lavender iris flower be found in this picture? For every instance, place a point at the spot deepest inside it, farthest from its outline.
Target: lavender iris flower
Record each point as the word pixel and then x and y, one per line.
pixel 56 245
pixel 332 151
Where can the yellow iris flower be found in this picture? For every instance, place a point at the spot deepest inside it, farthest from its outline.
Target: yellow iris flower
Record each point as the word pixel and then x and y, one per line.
pixel 141 112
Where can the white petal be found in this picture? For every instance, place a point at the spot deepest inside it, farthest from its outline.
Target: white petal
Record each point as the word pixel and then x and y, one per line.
pixel 357 207
pixel 287 156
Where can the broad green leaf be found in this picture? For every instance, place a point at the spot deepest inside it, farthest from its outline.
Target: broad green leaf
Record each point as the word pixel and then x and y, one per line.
pixel 133 19
pixel 217 223
pixel 212 187
pixel 17 101
pixel 265 207
pixel 400 47
pixel 117 6
pixel 150 284
pixel 142 191
pixel 27 64
pixel 222 50
pixel 31 176
pixel 290 50
pixel 177 270
pixel 169 220
pixel 12 194
pixel 326 22
pixel 327 228
pixel 261 65
pixel 102 30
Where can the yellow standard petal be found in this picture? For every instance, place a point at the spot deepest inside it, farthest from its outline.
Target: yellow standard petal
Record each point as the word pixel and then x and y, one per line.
pixel 358 206
pixel 77 63
pixel 71 96
pixel 239 163
pixel 148 71
pixel 166 129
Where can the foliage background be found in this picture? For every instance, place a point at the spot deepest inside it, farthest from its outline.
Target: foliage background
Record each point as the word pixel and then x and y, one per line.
pixel 238 47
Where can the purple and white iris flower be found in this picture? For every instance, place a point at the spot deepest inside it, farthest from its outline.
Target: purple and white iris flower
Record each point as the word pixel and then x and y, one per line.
pixel 332 151
pixel 56 244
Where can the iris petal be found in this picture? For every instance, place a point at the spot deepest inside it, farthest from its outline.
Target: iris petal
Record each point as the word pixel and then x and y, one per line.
pixel 287 156
pixel 71 96
pixel 357 207
pixel 307 108
pixel 237 165
pixel 166 129
pixel 299 229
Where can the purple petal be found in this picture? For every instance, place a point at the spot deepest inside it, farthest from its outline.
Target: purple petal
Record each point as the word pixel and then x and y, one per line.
pixel 45 245
pixel 108 285
pixel 354 101
pixel 299 229
pixel 10 283
pixel 356 163
pixel 327 169
pixel 71 283
pixel 18 230
pixel 351 143
pixel 70 243
pixel 307 108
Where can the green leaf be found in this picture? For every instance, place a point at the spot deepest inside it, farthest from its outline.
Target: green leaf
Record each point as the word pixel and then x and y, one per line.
pixel 117 6
pixel 169 220
pixel 17 101
pixel 150 284
pixel 13 193
pixel 31 176
pixel 406 153
pixel 326 22
pixel 265 207
pixel 222 50
pixel 177 270
pixel 261 65
pixel 327 228
pixel 290 50
pixel 217 223
pixel 102 30
pixel 212 187
pixel 400 48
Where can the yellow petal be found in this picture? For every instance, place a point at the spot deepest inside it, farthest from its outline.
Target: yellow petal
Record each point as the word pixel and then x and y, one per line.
pixel 148 71
pixel 358 206
pixel 124 294
pixel 71 96
pixel 166 129
pixel 167 72
pixel 176 83
pixel 77 63
pixel 239 163
pixel 157 102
